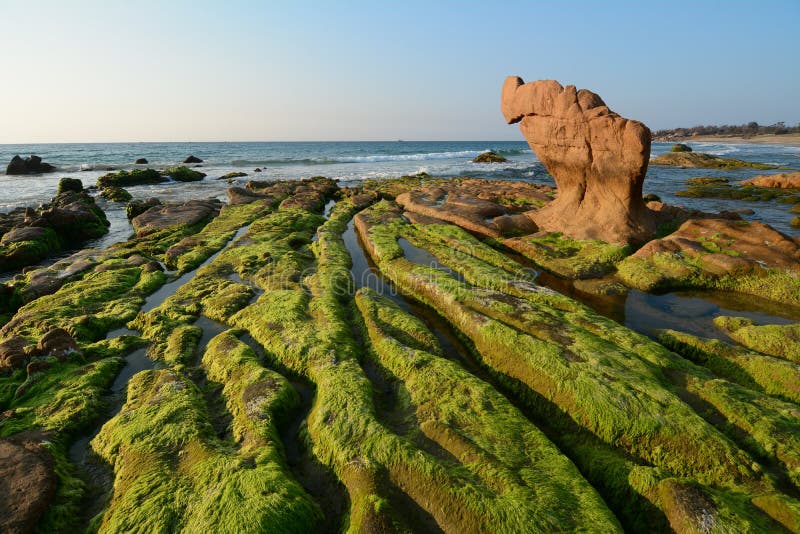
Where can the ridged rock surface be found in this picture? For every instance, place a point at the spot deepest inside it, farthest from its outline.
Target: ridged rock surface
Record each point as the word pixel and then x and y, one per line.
pixel 597 158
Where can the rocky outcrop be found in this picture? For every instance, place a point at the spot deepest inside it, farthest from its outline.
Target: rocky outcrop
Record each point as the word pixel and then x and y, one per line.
pixel 137 207
pixel 489 157
pixel 597 158
pixel 29 165
pixel 705 161
pixel 29 235
pixel 69 184
pixel 184 174
pixel 491 208
pixel 232 175
pixel 727 254
pixel 129 178
pixel 680 147
pixel 193 159
pixel 27 481
pixel 187 213
pixel 788 180
pixel 116 194
pixel 141 161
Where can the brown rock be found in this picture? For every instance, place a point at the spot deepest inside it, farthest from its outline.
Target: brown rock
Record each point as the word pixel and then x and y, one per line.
pixel 13 354
pixel 171 215
pixel 27 481
pixel 597 158
pixel 57 342
pixel 749 246
pixel 787 180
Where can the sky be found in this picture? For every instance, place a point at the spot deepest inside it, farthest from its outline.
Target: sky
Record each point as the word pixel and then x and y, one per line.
pixel 107 71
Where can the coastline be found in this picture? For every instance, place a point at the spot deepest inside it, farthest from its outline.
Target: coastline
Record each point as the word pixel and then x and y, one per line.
pixel 767 139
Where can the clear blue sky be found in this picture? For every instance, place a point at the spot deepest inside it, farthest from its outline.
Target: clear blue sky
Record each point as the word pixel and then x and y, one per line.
pixel 236 70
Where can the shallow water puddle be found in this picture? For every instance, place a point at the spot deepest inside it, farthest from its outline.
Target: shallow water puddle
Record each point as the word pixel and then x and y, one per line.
pixel 693 312
pixel 421 256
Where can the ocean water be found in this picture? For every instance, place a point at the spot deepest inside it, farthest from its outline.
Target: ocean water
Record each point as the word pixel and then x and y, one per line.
pixel 350 163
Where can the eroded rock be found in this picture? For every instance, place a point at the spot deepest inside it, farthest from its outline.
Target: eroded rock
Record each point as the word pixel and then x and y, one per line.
pixel 788 180
pixel 27 481
pixel 170 215
pixel 597 158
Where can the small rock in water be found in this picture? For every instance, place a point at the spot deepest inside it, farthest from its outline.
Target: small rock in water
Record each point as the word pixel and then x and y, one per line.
pixel 680 147
pixel 257 169
pixel 142 161
pixel 193 159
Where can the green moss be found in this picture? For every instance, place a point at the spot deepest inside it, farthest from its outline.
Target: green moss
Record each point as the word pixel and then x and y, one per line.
pixel 173 474
pixel 116 194
pixel 782 341
pixel 126 178
pixel 13 256
pixel 184 174
pixel 665 271
pixel 756 371
pixel 680 147
pixel 489 157
pixel 699 159
pixel 479 427
pixel 569 257
pixel 577 369
pixel 719 188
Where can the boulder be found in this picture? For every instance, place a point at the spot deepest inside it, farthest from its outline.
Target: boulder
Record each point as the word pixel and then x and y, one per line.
pixel 13 354
pixel 69 184
pixel 193 159
pixel 57 342
pixel 132 177
pixel 171 215
pixel 116 194
pixel 141 161
pixel 489 157
pixel 597 158
pixel 680 147
pixel 232 175
pixel 257 169
pixel 27 481
pixel 184 174
pixel 787 180
pixel 29 165
pixel 137 207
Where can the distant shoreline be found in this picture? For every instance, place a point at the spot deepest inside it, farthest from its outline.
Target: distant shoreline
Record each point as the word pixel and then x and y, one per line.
pixel 765 139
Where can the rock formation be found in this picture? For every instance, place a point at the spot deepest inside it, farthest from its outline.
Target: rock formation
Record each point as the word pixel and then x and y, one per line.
pixel 787 180
pixel 598 160
pixel 31 165
pixel 141 161
pixel 193 159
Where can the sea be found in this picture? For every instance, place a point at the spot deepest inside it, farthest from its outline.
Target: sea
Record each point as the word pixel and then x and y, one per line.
pixel 352 163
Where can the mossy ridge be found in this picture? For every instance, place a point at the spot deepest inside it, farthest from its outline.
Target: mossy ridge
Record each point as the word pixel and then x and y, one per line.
pixel 172 473
pixel 89 307
pixel 733 469
pixel 392 187
pixel 720 188
pixel 182 173
pixel 192 251
pixel 568 257
pixel 310 334
pixel 664 271
pixel 699 159
pixel 473 422
pixel 781 341
pixel 774 376
pixel 127 178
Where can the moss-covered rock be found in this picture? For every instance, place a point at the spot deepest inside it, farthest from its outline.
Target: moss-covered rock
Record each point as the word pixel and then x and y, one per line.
pixel 489 157
pixel 699 159
pixel 69 184
pixel 116 194
pixel 782 341
pixel 680 147
pixel 184 174
pixel 137 207
pixel 232 175
pixel 568 257
pixel 127 178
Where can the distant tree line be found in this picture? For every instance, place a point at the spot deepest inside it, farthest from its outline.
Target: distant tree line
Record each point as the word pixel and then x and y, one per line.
pixel 745 130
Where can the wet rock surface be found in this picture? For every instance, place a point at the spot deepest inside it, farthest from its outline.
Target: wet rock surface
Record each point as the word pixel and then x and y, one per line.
pixel 164 216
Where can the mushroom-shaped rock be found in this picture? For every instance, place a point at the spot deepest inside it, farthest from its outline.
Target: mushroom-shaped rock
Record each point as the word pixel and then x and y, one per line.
pixel 597 158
